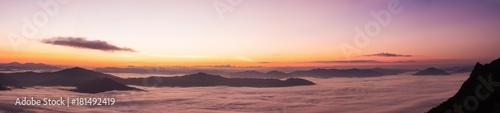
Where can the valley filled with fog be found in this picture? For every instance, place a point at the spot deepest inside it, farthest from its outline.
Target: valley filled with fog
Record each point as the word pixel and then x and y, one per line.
pixel 386 94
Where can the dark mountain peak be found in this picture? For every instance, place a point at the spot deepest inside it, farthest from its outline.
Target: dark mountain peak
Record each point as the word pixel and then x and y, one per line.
pixel 275 72
pixel 318 69
pixel 201 75
pixel 250 71
pixel 74 76
pixel 322 70
pixel 298 81
pixel 8 81
pixel 432 68
pixel 480 93
pixel 75 70
pixel 432 71
pixel 101 85
pixel 14 63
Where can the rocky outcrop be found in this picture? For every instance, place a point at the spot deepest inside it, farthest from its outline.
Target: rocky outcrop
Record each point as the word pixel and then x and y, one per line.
pixel 480 93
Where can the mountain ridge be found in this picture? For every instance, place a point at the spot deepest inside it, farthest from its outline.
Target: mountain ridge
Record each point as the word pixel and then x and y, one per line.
pixel 480 93
pixel 431 71
pixel 28 66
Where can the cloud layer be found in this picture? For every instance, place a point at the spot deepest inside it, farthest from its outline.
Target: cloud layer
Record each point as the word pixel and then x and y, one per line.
pixel 384 54
pixel 387 94
pixel 79 42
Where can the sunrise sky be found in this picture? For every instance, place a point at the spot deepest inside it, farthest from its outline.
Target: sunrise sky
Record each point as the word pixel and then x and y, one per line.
pixel 255 33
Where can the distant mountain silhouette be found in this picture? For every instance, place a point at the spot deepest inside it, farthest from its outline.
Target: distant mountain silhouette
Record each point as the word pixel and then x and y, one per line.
pixel 203 79
pixel 3 88
pixel 160 70
pixel 257 74
pixel 28 66
pixel 121 70
pixel 102 85
pixel 458 69
pixel 319 73
pixel 7 69
pixel 390 71
pixel 462 70
pixel 8 81
pixel 66 77
pixel 480 93
pixel 249 74
pixel 75 76
pixel 276 74
pixel 30 78
pixel 432 71
pixel 78 76
pixel 327 73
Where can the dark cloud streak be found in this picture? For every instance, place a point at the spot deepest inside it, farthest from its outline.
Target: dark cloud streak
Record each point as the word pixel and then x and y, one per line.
pixel 362 61
pixel 79 42
pixel 347 61
pixel 405 61
pixel 384 54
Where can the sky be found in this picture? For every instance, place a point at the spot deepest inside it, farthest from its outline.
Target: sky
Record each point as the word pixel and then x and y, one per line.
pixel 265 33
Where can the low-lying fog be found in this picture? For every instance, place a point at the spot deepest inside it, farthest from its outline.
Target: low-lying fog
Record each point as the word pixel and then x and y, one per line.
pixel 387 94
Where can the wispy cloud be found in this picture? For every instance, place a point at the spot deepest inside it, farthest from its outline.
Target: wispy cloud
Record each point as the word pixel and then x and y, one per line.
pixel 80 42
pixel 405 61
pixel 384 54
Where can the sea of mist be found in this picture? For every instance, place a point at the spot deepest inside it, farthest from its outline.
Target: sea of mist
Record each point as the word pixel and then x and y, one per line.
pixel 387 94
